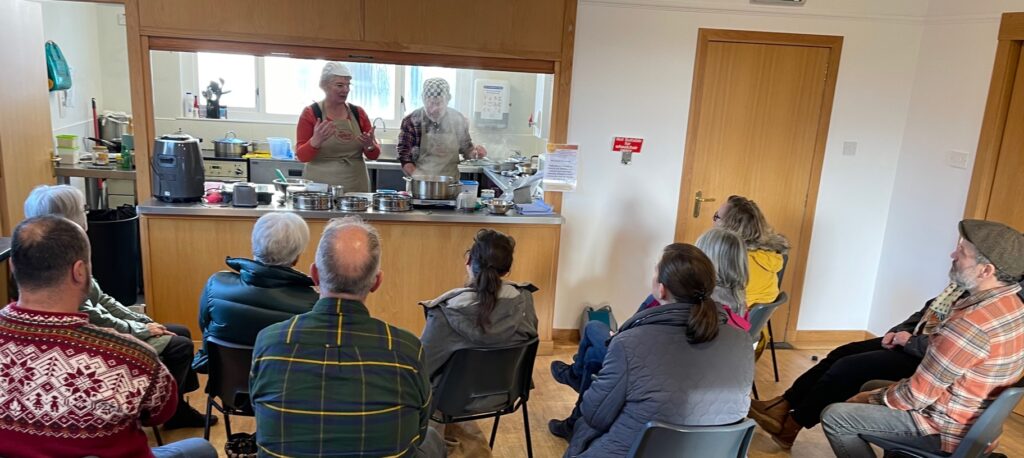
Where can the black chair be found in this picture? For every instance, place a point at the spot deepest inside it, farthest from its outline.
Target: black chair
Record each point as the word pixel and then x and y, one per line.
pixel 228 381
pixel 481 383
pixel 156 435
pixel 979 437
pixel 759 316
pixel 662 440
pixel 771 335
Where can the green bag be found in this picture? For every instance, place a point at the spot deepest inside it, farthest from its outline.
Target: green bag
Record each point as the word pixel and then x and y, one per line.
pixel 57 68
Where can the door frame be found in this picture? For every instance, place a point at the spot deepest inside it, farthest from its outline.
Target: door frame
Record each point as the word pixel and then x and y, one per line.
pixel 997 106
pixel 797 264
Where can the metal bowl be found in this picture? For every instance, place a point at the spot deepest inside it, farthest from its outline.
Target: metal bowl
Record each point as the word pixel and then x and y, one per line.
pixel 351 203
pixel 307 200
pixel 392 202
pixel 282 186
pixel 498 206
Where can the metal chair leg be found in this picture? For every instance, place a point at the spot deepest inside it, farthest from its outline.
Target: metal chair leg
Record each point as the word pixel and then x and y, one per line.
pixel 227 424
pixel 526 428
pixel 771 345
pixel 494 431
pixel 209 413
pixel 156 435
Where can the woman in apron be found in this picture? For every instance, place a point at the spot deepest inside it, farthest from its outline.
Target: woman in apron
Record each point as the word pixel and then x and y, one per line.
pixel 334 136
pixel 434 138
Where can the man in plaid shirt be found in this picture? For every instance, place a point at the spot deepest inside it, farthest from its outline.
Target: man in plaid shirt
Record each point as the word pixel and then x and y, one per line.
pixel 335 381
pixel 974 354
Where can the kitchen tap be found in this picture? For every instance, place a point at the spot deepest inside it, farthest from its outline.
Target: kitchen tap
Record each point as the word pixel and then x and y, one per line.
pixel 383 125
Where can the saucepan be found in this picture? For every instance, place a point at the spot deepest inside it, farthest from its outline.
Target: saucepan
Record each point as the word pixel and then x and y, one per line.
pixel 432 187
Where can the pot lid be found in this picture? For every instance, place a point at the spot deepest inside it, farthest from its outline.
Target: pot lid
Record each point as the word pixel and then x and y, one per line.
pixel 230 137
pixel 178 137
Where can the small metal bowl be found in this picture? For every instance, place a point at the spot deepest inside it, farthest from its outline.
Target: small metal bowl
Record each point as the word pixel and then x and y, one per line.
pixel 282 186
pixel 498 206
pixel 351 203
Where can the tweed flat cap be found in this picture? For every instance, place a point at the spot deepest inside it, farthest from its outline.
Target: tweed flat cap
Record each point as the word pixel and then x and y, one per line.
pixel 1001 244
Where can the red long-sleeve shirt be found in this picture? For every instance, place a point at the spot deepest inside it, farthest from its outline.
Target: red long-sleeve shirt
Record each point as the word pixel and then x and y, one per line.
pixel 305 152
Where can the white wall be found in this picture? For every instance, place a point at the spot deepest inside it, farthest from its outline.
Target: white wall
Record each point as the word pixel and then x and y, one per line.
pixel 633 68
pixel 947 106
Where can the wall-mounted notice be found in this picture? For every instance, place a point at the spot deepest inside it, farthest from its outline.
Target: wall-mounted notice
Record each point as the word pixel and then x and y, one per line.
pixel 560 168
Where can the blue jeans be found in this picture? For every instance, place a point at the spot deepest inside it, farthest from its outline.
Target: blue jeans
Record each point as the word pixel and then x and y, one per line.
pixel 589 356
pixel 189 448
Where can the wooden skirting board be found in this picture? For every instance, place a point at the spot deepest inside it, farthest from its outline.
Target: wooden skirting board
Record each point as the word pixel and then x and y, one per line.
pixel 565 337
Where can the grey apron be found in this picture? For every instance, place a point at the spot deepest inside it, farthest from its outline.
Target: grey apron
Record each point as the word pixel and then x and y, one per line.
pixel 439 148
pixel 340 159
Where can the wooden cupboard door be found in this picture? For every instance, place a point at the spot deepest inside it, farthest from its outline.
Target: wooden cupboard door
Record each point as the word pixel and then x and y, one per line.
pixel 25 134
pixel 260 21
pixel 523 28
pixel 1006 202
pixel 754 131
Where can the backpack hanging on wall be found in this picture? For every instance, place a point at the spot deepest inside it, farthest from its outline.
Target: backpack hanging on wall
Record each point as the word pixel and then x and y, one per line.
pixel 57 71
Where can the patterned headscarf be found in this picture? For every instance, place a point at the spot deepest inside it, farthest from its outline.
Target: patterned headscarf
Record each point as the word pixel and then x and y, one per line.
pixel 436 87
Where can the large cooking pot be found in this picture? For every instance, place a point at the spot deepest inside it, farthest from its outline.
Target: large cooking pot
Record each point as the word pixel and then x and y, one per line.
pixel 432 187
pixel 113 125
pixel 230 146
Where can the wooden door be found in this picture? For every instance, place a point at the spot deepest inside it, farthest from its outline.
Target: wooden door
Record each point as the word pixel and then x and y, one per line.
pixel 758 122
pixel 25 143
pixel 996 185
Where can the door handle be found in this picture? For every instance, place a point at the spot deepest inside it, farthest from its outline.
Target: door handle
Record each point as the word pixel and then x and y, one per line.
pixel 699 199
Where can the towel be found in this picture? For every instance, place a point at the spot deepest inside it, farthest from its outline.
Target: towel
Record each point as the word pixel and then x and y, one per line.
pixel 537 207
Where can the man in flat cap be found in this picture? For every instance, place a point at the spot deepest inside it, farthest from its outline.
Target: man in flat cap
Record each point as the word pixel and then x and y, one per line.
pixel 975 352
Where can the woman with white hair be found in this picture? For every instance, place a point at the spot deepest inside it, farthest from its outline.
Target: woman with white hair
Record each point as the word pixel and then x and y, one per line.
pixel 236 305
pixel 172 342
pixel 433 138
pixel 333 136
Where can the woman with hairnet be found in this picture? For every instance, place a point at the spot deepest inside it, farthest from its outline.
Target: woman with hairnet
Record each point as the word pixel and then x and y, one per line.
pixel 433 138
pixel 333 136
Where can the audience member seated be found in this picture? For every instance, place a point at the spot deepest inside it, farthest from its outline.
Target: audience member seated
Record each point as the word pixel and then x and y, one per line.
pixel 727 253
pixel 335 381
pixel 70 388
pixel 974 354
pixel 236 305
pixel 677 363
pixel 172 342
pixel 489 312
pixel 765 248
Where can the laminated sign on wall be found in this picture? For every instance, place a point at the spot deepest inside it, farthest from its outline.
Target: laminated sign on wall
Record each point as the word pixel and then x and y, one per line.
pixel 560 167
pixel 490 103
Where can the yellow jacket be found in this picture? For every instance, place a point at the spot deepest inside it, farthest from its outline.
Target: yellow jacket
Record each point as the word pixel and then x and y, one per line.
pixel 763 283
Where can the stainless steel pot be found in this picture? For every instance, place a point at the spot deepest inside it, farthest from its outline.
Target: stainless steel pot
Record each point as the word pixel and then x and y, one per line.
pixel 307 200
pixel 351 203
pixel 230 146
pixel 113 125
pixel 392 202
pixel 432 187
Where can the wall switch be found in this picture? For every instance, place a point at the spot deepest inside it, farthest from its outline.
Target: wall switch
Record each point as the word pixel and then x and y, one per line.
pixel 849 148
pixel 957 159
pixel 121 19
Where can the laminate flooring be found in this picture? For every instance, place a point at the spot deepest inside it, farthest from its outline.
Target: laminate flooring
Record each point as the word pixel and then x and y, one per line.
pixel 552 400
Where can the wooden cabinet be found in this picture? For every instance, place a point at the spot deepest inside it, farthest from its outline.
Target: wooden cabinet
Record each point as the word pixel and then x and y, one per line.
pixel 521 29
pixel 25 142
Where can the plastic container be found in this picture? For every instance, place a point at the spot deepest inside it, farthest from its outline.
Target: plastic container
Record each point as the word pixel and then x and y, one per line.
pixel 280 147
pixel 67 141
pixel 470 186
pixel 68 156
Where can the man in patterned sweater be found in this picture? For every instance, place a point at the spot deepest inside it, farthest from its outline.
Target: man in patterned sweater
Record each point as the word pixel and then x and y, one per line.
pixel 975 352
pixel 68 388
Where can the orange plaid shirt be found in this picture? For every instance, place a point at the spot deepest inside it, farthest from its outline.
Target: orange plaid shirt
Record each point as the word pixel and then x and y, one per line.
pixel 973 356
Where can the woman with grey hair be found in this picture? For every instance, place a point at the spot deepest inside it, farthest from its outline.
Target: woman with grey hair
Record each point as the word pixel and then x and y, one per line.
pixel 727 251
pixel 173 342
pixel 333 136
pixel 236 305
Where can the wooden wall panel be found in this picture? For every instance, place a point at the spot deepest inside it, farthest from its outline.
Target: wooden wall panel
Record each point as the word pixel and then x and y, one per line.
pixel 420 261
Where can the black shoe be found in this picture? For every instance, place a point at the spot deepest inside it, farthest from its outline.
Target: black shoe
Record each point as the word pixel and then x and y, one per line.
pixel 187 417
pixel 562 373
pixel 560 428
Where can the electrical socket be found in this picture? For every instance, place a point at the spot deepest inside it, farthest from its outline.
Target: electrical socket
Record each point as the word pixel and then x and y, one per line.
pixel 121 20
pixel 849 148
pixel 957 159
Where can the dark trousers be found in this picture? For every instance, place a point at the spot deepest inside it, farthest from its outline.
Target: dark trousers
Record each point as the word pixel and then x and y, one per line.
pixel 840 375
pixel 177 357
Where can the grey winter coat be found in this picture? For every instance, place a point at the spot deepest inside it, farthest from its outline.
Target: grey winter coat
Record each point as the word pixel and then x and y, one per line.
pixel 451 323
pixel 651 372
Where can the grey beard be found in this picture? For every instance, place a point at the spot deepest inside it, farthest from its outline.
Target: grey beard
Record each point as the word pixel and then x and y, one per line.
pixel 958 278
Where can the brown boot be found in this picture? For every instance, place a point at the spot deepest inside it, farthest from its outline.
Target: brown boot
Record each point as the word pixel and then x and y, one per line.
pixel 770 414
pixel 786 437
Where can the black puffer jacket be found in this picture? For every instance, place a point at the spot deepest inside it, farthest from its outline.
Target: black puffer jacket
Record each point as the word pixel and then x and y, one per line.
pixel 236 306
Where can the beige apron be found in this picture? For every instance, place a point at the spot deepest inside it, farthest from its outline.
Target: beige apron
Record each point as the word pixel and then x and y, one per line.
pixel 439 148
pixel 340 159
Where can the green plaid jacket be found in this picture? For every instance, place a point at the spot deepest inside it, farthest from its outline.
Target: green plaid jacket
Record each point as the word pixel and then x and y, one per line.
pixel 336 382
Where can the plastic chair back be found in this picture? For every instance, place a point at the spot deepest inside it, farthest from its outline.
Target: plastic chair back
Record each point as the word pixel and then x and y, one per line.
pixel 761 313
pixel 479 381
pixel 989 426
pixel 663 440
pixel 230 364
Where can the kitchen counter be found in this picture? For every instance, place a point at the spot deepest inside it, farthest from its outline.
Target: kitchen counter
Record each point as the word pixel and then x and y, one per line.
pixel 435 215
pixel 84 171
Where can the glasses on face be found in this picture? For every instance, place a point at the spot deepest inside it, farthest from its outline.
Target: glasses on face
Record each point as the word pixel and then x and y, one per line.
pixel 715 217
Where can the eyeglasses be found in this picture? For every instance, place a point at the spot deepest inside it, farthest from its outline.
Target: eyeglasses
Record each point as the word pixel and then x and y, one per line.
pixel 715 217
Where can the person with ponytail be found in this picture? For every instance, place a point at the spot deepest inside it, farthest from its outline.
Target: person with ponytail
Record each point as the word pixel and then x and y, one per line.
pixel 677 362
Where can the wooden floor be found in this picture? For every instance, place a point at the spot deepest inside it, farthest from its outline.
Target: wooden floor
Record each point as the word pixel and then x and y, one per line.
pixel 551 400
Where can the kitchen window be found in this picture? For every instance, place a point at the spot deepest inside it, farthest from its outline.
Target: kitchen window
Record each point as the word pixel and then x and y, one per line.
pixel 276 89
